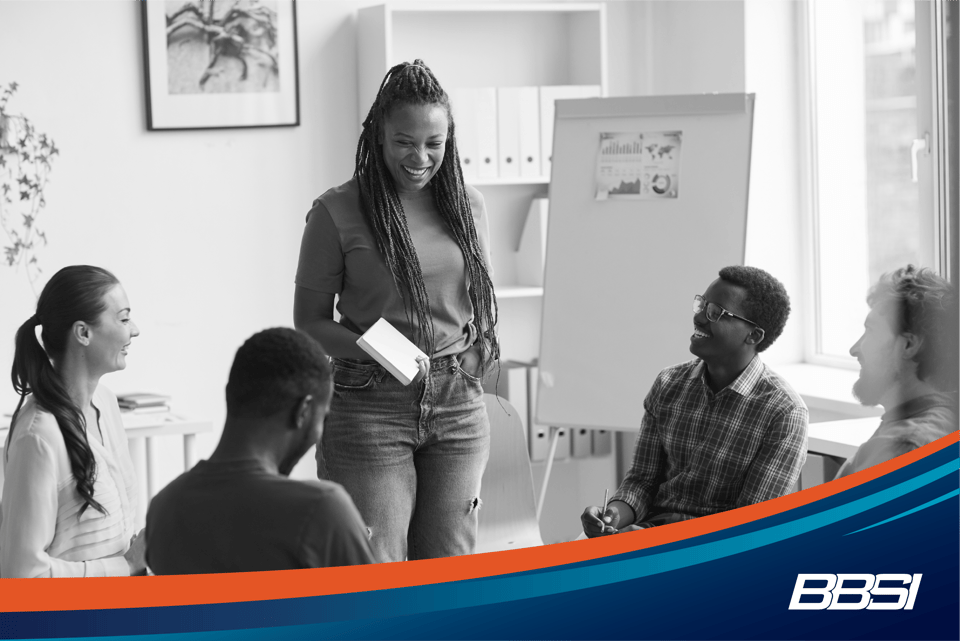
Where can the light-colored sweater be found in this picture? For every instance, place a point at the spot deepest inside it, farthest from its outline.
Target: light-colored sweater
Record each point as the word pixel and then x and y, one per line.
pixel 40 534
pixel 904 428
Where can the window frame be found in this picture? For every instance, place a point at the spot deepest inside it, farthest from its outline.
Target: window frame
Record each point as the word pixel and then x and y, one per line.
pixel 938 227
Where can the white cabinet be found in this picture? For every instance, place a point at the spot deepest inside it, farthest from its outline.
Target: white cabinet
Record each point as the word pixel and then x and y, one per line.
pixel 491 45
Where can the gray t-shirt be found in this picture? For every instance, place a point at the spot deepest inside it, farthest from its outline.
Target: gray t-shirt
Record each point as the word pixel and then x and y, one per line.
pixel 235 516
pixel 339 255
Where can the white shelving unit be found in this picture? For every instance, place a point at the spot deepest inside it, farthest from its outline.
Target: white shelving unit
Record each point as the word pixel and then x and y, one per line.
pixel 493 182
pixel 484 45
pixel 491 45
pixel 518 291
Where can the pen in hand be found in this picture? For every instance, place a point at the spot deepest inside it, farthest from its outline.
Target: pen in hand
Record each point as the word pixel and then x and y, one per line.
pixel 604 510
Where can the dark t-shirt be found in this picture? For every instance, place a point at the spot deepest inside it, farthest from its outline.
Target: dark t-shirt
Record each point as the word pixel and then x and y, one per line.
pixel 237 517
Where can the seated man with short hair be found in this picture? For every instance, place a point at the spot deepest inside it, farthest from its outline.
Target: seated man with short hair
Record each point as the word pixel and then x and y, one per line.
pixel 238 511
pixel 908 356
pixel 721 431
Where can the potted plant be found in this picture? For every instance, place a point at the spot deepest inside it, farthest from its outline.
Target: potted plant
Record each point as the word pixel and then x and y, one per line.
pixel 25 158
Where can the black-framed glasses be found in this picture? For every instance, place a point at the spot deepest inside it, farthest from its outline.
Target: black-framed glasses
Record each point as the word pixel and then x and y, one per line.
pixel 714 312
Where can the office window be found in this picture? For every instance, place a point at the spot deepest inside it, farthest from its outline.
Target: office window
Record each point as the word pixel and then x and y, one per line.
pixel 874 154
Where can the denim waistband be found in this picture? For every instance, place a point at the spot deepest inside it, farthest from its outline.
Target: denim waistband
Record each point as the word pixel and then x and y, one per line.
pixel 440 361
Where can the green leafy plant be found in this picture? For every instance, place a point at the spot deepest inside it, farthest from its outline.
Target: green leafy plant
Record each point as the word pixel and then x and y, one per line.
pixel 25 157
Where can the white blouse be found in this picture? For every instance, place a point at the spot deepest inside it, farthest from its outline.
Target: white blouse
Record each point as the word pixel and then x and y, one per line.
pixel 40 534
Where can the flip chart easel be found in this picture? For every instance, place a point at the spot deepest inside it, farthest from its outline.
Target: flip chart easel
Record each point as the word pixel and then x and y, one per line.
pixel 620 275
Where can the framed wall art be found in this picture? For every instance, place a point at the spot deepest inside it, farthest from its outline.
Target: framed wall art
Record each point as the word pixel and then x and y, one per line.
pixel 220 64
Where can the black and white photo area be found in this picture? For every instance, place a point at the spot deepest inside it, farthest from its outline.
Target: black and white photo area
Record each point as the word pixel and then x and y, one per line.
pixel 228 46
pixel 220 63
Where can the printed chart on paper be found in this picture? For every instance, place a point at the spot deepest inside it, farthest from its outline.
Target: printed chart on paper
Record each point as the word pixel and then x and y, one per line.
pixel 638 165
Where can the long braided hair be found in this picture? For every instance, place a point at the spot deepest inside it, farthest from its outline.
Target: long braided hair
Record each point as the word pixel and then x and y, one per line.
pixel 74 293
pixel 415 84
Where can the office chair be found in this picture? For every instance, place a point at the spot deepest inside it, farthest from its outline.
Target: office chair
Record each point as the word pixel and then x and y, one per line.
pixel 508 515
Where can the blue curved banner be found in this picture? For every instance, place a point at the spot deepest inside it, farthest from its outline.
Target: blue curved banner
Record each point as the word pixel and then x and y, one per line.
pixel 736 583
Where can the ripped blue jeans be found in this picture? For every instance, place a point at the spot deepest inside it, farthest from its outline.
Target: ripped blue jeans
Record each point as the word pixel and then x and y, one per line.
pixel 410 457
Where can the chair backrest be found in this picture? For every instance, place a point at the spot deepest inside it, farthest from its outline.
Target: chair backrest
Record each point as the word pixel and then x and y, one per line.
pixel 508 516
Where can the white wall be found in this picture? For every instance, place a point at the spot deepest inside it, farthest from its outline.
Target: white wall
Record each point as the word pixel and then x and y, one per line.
pixel 681 47
pixel 732 46
pixel 696 47
pixel 735 46
pixel 775 230
pixel 203 227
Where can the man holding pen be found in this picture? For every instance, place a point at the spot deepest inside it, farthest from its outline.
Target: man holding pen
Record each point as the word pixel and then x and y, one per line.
pixel 718 432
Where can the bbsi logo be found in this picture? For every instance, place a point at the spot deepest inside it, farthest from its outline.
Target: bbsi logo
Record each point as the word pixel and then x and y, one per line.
pixel 837 585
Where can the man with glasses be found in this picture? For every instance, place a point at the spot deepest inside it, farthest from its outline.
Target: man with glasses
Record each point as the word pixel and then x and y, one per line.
pixel 908 364
pixel 721 431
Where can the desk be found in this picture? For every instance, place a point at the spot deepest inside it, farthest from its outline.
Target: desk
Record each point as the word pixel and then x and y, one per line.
pixel 141 430
pixel 831 442
pixel 840 438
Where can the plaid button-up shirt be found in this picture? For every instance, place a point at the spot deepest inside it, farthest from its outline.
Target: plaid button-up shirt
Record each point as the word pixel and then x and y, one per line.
pixel 700 453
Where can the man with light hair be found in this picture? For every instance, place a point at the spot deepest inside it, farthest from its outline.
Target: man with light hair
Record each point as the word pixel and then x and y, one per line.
pixel 908 356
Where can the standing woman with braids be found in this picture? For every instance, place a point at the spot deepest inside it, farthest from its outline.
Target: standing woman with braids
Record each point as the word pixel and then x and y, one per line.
pixel 70 495
pixel 405 239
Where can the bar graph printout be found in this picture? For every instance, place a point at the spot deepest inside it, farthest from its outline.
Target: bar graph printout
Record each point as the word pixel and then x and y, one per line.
pixel 639 165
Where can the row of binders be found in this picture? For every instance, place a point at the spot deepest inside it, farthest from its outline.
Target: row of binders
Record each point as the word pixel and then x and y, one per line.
pixel 507 132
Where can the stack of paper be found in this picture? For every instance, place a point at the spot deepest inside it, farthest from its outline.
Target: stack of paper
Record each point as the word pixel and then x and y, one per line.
pixel 391 349
pixel 144 402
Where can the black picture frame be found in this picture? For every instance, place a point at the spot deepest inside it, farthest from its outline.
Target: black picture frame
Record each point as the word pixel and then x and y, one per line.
pixel 219 64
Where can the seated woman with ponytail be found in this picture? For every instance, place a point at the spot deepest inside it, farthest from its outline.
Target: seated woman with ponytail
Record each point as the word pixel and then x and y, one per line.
pixel 70 495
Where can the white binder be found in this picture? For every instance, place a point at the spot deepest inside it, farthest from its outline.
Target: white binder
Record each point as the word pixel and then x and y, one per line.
pixel 581 443
pixel 465 117
pixel 530 132
pixel 602 442
pixel 508 132
pixel 563 443
pixel 486 104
